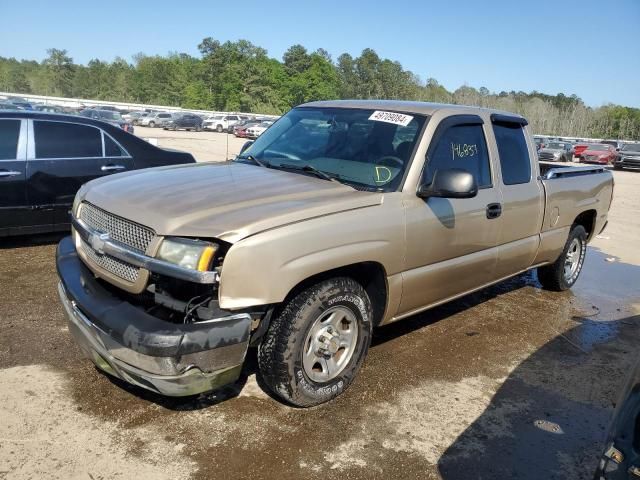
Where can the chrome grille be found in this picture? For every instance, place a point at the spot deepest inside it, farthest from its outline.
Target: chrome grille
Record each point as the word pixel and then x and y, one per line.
pixel 126 232
pixel 117 267
pixel 546 156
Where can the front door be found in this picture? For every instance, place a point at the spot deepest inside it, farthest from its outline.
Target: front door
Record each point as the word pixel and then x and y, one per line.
pixel 14 208
pixel 451 243
pixel 66 155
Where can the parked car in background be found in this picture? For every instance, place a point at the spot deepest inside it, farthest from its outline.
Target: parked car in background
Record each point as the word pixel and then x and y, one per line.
pixel 579 148
pixel 257 130
pixel 107 107
pixel 614 143
pixel 556 152
pixel 8 106
pixel 628 156
pixel 240 130
pixel 21 104
pixel 598 153
pixel 621 456
pixel 221 123
pixel 109 116
pixel 158 119
pixel 186 121
pixel 49 108
pixel 539 141
pixel 133 117
pixel 45 158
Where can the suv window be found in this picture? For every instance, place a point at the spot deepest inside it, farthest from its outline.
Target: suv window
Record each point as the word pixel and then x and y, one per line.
pixel 514 154
pixel 66 140
pixel 460 146
pixel 9 135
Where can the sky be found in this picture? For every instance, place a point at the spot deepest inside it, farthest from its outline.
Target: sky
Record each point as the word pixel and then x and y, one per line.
pixel 588 47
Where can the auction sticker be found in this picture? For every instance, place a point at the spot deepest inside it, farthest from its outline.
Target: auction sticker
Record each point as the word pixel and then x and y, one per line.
pixel 391 117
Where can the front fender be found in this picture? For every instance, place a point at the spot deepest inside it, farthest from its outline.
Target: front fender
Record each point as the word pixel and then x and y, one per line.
pixel 264 268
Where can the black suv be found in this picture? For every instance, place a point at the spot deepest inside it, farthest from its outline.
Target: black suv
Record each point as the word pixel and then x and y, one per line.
pixel 188 121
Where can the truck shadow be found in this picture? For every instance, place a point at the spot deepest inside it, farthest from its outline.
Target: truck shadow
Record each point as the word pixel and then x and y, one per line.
pixel 549 417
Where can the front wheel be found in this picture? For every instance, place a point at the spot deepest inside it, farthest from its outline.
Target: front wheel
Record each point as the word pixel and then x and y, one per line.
pixel 152 124
pixel 563 273
pixel 316 344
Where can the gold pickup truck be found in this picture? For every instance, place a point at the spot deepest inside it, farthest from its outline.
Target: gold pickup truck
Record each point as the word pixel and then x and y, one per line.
pixel 342 216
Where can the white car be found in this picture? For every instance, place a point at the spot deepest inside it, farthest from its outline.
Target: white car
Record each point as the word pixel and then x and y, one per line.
pixel 257 130
pixel 221 123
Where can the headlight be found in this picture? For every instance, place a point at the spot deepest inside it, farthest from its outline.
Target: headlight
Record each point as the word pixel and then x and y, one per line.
pixel 186 253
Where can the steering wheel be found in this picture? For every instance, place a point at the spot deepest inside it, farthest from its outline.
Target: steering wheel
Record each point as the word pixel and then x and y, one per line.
pixel 390 161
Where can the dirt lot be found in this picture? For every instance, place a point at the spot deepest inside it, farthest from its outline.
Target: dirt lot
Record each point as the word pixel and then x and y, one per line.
pixel 205 146
pixel 510 382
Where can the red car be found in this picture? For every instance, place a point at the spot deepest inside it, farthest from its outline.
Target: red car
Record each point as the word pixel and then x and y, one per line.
pixel 241 130
pixel 599 153
pixel 579 148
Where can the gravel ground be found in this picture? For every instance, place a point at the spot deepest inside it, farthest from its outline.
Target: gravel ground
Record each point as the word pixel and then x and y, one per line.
pixel 510 382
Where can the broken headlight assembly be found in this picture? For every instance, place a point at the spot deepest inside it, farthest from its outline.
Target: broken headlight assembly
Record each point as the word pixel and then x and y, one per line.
pixel 187 253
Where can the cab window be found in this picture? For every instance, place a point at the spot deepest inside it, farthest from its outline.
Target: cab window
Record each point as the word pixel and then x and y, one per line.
pixel 460 146
pixel 514 154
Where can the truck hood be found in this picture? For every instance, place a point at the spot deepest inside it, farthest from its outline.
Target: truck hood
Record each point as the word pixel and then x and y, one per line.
pixel 228 201
pixel 629 153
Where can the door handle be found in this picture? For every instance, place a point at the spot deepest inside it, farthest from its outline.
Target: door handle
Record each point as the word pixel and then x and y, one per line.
pixel 112 168
pixel 494 210
pixel 9 173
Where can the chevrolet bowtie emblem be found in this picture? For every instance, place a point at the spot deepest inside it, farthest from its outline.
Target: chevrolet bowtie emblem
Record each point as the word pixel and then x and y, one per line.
pixel 98 241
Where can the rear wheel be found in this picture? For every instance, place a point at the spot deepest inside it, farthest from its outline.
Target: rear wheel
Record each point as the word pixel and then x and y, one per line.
pixel 563 273
pixel 316 344
pixel 152 124
pixel 219 128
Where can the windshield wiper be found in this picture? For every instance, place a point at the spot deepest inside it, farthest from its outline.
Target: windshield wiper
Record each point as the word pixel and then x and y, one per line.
pixel 253 159
pixel 311 169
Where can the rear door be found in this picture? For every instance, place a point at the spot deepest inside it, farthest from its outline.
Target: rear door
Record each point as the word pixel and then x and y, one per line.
pixel 62 157
pixel 14 208
pixel 522 196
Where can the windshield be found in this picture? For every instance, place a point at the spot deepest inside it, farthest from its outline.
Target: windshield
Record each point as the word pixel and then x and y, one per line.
pixel 631 147
pixel 598 148
pixel 366 148
pixel 556 146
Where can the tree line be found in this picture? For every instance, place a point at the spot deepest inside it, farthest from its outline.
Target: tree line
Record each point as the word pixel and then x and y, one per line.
pixel 240 76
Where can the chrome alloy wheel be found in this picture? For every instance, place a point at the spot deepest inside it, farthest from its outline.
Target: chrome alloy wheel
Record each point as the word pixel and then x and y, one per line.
pixel 573 259
pixel 330 344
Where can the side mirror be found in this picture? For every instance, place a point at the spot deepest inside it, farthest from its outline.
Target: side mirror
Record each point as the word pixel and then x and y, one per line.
pixel 246 145
pixel 450 183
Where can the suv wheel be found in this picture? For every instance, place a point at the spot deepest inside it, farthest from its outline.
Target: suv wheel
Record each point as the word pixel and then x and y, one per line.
pixel 219 128
pixel 316 344
pixel 152 124
pixel 563 273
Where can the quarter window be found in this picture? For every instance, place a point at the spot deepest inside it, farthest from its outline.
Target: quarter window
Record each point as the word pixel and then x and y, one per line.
pixel 66 140
pixel 460 146
pixel 111 148
pixel 514 154
pixel 9 135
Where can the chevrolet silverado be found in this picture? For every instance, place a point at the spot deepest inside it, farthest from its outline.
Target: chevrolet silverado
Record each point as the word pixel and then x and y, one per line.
pixel 341 217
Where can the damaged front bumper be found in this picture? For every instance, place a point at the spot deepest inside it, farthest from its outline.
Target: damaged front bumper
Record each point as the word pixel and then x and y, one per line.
pixel 128 343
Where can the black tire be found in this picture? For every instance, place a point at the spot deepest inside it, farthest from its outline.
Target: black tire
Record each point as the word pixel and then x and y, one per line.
pixel 152 124
pixel 219 128
pixel 552 277
pixel 617 167
pixel 281 350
